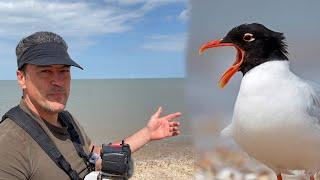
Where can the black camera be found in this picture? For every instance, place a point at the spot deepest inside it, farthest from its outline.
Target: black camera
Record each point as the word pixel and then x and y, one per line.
pixel 116 161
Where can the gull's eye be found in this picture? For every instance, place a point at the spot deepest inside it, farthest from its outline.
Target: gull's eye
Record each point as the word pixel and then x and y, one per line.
pixel 248 37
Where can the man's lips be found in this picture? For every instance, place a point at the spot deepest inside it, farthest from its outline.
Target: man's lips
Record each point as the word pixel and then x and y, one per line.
pixel 236 65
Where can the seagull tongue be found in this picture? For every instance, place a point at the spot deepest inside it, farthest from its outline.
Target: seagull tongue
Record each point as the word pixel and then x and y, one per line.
pixel 236 65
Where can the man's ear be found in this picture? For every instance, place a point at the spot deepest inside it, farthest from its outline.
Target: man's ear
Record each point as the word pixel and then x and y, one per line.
pixel 21 76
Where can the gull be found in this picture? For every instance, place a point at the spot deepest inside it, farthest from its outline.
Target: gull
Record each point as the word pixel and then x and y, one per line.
pixel 276 117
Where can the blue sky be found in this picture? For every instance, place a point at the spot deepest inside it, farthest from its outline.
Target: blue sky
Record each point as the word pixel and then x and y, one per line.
pixel 110 38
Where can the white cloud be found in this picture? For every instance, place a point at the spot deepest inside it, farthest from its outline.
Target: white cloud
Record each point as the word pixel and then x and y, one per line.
pixel 67 18
pixel 71 18
pixel 127 2
pixel 74 20
pixel 167 43
pixel 184 15
pixel 153 2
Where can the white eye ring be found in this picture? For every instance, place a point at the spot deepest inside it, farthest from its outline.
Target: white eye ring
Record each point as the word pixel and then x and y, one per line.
pixel 248 37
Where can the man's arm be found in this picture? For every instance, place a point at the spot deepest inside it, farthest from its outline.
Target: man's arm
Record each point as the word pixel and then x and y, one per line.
pixel 157 128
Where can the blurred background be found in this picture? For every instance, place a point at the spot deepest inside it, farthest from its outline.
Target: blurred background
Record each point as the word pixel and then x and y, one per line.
pixel 210 107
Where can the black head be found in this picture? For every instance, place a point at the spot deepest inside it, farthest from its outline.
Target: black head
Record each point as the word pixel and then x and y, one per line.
pixel 255 44
pixel 259 43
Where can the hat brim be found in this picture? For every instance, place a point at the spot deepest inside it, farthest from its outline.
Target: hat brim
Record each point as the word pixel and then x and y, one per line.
pixel 46 61
pixel 46 54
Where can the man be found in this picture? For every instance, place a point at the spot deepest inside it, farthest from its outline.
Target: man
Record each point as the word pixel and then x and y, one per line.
pixel 44 76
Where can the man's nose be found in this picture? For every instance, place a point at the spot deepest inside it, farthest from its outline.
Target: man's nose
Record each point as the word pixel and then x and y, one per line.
pixel 58 79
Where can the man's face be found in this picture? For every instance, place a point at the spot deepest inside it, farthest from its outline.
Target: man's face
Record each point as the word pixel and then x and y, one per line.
pixel 47 87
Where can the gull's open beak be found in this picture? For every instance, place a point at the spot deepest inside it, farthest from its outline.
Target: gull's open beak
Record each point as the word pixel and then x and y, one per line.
pixel 236 65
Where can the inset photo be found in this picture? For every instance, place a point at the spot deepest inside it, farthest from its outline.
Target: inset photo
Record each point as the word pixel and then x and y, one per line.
pixel 252 89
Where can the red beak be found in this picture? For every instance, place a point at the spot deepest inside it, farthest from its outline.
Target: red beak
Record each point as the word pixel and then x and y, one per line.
pixel 236 65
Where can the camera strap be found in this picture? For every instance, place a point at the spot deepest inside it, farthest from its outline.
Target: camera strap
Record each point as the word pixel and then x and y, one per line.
pixel 26 122
pixel 77 140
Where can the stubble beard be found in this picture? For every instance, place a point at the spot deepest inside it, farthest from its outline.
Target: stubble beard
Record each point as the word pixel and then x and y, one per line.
pixel 50 108
pixel 53 106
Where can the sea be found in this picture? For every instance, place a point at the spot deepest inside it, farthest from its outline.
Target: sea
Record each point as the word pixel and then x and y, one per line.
pixel 112 109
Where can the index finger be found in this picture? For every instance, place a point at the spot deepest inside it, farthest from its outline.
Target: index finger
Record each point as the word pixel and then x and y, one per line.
pixel 172 116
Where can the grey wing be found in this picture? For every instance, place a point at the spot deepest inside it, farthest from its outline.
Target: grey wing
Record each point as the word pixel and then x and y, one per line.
pixel 314 105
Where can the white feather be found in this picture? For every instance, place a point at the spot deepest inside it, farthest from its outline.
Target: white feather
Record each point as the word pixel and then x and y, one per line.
pixel 226 132
pixel 275 118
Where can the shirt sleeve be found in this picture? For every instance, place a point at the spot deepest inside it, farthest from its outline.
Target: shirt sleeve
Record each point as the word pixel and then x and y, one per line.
pixel 14 158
